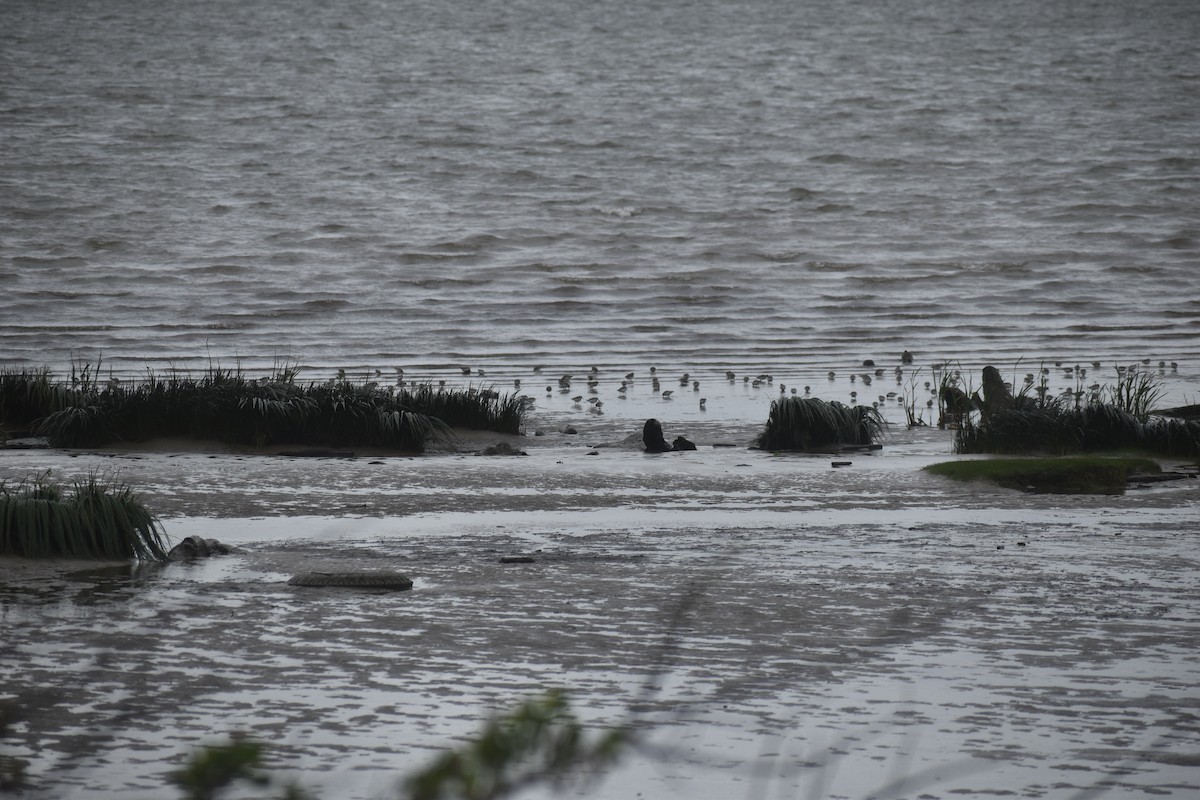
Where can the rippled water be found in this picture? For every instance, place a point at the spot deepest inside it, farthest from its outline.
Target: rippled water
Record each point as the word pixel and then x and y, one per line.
pixel 698 185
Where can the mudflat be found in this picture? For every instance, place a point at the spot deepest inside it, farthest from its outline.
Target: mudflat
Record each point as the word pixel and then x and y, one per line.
pixel 771 625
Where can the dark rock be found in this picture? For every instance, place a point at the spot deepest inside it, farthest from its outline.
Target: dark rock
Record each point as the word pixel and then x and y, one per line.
pixel 996 396
pixel 193 547
pixel 681 443
pixel 316 454
pixel 652 437
pixel 354 580
pixel 841 463
pixel 26 443
pixel 502 449
pixel 956 406
pixel 1181 412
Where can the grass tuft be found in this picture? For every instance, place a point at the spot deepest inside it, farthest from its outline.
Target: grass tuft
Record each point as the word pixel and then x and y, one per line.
pixel 92 520
pixel 807 423
pixel 1116 418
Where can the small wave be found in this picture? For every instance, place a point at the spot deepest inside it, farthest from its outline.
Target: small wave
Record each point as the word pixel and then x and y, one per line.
pixel 1135 327
pixel 833 266
pixel 105 244
pixel 831 158
pixel 799 193
pixel 621 211
pixel 469 244
pixel 33 261
pixel 782 256
pixel 219 269
pixel 833 208
pixel 228 325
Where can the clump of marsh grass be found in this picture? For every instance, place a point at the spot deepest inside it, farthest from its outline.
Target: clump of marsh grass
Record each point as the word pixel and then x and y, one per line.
pixel 27 395
pixel 1118 418
pixel 225 405
pixel 808 423
pixel 90 520
pixel 477 408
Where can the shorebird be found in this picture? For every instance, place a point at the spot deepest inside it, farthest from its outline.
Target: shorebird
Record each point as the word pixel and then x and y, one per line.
pixel 465 370
pixel 832 375
pixel 729 375
pixel 667 394
pixel 576 399
pixel 628 376
pixel 703 400
pixel 695 386
pixel 807 389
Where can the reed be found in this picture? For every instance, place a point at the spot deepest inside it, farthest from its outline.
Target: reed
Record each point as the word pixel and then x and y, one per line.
pixel 807 423
pixel 93 520
pixel 1135 392
pixel 225 405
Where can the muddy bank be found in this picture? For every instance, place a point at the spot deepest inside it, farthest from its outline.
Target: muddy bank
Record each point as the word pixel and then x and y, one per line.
pixel 819 629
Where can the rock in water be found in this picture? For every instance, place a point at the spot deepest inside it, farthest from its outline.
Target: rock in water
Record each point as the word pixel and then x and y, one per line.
pixel 681 443
pixel 193 547
pixel 354 580
pixel 502 449
pixel 652 437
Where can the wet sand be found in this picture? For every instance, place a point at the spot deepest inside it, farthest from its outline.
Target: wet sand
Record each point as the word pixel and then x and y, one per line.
pixel 854 632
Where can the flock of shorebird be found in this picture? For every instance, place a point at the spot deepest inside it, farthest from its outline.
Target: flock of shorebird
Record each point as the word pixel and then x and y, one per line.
pixel 865 376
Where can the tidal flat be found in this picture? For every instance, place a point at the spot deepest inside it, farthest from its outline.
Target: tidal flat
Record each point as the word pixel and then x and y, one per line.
pixel 771 625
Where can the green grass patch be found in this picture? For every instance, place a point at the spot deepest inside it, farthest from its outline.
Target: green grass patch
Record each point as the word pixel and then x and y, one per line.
pixel 91 519
pixel 1072 475
pixel 807 423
